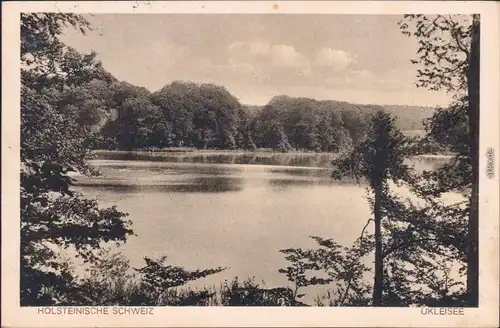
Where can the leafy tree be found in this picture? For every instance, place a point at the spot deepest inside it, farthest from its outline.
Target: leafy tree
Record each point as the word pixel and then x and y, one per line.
pixel 448 127
pixel 262 126
pixel 52 217
pixel 57 97
pixel 171 101
pixel 226 108
pixel 297 271
pixel 377 159
pixel 112 281
pixel 244 135
pixel 356 122
pixel 331 130
pixel 422 244
pixel 157 277
pixel 415 245
pixel 276 138
pixel 208 116
pixel 342 266
pixel 311 124
pixel 46 60
pixel 162 131
pixel 300 122
pixel 88 104
pixel 138 120
pixel 120 99
pixel 448 58
pixel 121 91
pixel 249 293
pixel 203 115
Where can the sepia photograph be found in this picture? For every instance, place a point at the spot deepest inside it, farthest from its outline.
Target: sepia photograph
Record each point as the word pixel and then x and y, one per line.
pixel 252 160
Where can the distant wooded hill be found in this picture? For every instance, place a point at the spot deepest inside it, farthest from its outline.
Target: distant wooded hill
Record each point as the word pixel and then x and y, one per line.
pixel 186 114
pixel 408 118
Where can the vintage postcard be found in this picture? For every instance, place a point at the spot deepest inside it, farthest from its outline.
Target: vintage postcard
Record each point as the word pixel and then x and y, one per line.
pixel 250 163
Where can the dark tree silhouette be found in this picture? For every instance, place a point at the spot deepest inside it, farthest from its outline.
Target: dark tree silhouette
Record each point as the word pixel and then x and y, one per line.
pixel 377 159
pixel 448 58
pixel 64 94
pixel 53 142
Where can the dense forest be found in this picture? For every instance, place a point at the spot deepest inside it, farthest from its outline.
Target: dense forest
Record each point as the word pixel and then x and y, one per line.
pixel 186 114
pixel 70 105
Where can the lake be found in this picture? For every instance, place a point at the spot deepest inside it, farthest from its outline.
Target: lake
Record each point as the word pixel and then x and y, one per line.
pixel 229 210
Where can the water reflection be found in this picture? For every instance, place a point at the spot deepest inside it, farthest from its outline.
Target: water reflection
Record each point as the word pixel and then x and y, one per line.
pixel 248 212
pixel 322 160
pixel 301 172
pixel 163 168
pixel 130 176
pixel 213 184
pixel 283 159
pixel 207 184
pixel 282 182
pixel 136 172
pixel 200 169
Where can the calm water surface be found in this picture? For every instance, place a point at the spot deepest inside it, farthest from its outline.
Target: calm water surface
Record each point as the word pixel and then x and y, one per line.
pixel 235 211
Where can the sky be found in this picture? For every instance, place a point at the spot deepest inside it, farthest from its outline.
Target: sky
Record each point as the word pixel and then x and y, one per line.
pixel 362 59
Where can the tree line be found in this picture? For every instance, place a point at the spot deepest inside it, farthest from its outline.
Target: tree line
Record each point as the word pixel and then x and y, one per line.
pixel 71 105
pixel 186 114
pixel 207 116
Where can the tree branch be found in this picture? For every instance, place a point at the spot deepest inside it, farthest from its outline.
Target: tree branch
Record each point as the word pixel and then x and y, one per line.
pixel 456 37
pixel 363 231
pixel 406 242
pixel 349 282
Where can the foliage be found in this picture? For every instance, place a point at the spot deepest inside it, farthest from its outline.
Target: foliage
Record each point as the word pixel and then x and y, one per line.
pixel 445 52
pixel 416 244
pixel 64 96
pixel 423 252
pixel 47 61
pixel 449 60
pixel 203 115
pixel 113 282
pixel 157 277
pixel 341 265
pixel 379 156
pixel 207 116
pixel 249 293
pixel 448 127
pixel 444 46
pixel 52 217
pixel 422 244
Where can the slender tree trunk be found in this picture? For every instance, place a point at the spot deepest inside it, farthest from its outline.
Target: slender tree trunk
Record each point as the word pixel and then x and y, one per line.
pixel 473 115
pixel 379 267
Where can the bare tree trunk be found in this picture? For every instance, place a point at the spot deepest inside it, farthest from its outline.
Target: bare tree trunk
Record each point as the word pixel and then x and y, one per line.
pixel 379 267
pixel 473 115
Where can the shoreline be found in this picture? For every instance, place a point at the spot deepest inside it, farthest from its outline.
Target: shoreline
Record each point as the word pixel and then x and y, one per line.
pixel 259 152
